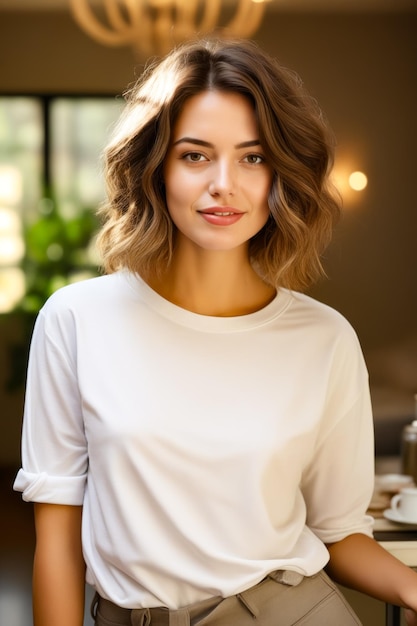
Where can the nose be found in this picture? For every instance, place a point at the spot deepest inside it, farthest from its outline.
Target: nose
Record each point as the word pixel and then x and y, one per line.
pixel 223 182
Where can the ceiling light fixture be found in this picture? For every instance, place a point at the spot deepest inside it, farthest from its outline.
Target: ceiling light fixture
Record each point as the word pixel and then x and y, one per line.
pixel 155 26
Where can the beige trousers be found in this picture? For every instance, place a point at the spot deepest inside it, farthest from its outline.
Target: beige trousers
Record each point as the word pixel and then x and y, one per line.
pixel 315 601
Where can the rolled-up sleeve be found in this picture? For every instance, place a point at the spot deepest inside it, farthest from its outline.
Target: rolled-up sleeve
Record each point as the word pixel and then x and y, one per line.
pixel 54 447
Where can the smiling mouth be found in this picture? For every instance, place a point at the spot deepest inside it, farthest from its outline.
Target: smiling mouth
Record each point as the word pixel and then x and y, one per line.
pixel 221 216
pixel 220 212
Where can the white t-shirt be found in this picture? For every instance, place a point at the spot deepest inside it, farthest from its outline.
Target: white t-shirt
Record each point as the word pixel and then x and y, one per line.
pixel 207 451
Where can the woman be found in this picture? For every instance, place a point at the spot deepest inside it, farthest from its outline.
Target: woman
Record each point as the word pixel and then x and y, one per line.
pixel 207 424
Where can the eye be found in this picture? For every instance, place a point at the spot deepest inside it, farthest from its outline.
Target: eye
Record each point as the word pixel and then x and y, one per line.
pixel 254 159
pixel 194 157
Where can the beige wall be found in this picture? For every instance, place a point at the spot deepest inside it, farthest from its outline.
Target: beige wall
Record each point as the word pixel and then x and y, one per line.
pixel 362 69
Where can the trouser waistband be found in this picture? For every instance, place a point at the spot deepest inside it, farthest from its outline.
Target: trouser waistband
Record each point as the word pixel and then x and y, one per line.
pixel 162 616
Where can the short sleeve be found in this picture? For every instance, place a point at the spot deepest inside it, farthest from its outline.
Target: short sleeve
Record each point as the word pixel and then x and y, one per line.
pixel 54 447
pixel 338 482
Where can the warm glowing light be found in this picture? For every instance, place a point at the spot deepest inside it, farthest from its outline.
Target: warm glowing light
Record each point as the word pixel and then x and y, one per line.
pixel 155 26
pixel 12 249
pixel 10 221
pixel 358 181
pixel 10 185
pixel 12 288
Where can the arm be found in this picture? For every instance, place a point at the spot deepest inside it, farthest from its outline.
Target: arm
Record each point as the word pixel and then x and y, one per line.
pixel 59 569
pixel 361 563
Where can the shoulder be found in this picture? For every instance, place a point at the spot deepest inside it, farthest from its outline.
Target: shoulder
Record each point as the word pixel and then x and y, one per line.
pixel 313 313
pixel 92 293
pixel 324 330
pixel 89 303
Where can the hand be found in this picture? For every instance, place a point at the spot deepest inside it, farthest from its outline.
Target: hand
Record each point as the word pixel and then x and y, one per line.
pixel 410 617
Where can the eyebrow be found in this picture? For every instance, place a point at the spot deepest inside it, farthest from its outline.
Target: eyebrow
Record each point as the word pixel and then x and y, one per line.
pixel 207 144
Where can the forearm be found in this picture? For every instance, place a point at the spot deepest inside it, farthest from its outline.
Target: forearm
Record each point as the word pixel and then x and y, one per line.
pixel 59 569
pixel 361 563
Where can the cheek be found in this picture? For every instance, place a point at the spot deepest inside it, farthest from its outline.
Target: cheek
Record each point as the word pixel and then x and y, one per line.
pixel 263 191
pixel 179 187
pixel 177 200
pixel 173 189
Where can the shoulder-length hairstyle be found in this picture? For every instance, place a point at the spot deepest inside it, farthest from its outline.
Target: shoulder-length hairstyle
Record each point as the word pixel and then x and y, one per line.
pixel 138 233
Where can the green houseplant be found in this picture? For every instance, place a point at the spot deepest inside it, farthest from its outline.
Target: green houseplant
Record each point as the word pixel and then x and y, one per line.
pixel 58 252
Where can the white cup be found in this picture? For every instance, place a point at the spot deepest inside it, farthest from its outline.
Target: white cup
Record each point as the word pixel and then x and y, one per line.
pixel 405 504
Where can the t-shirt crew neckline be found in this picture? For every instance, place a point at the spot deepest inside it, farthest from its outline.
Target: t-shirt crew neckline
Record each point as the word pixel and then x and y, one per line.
pixel 207 323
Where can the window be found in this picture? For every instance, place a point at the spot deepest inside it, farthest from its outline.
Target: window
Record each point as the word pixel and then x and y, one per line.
pixel 79 131
pixel 50 187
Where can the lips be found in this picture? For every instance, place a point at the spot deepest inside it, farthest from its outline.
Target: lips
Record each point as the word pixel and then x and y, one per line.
pixel 220 210
pixel 221 216
pixel 220 213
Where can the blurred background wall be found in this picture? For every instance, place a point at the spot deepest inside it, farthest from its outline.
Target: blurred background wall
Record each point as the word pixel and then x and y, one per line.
pixel 361 66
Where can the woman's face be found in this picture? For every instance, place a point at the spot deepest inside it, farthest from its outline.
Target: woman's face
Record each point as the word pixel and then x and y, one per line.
pixel 217 180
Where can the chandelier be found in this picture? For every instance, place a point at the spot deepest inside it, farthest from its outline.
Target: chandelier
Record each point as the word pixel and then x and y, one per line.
pixel 155 26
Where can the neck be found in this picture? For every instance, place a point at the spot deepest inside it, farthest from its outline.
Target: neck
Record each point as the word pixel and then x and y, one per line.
pixel 215 283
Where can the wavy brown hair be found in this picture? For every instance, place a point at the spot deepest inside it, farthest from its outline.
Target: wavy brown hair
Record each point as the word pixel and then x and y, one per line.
pixel 138 233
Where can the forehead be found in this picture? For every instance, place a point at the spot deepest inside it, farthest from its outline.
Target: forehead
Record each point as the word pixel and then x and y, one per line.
pixel 219 113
